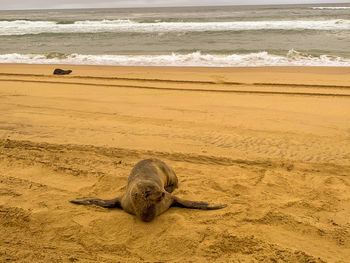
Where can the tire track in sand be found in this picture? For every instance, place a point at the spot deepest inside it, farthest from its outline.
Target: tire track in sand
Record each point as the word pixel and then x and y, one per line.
pixel 189 86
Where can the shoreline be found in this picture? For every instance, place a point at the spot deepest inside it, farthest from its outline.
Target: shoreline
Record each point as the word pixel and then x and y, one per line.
pixel 197 67
pixel 267 72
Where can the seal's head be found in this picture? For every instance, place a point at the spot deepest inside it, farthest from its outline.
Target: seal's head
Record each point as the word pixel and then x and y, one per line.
pixel 145 197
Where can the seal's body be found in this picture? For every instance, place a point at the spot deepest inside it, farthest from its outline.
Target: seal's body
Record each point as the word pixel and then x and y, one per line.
pixel 149 186
pixel 148 193
pixel 59 71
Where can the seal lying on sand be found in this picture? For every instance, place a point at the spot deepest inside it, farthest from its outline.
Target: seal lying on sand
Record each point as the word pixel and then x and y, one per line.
pixel 59 71
pixel 148 192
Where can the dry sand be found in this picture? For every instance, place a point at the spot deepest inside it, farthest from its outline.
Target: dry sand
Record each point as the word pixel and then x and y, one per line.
pixel 272 143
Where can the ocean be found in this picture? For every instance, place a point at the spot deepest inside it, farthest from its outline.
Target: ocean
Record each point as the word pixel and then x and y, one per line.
pixel 226 36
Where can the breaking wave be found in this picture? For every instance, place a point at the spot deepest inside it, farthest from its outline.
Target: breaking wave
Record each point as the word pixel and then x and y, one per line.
pixel 331 7
pixel 23 27
pixel 292 58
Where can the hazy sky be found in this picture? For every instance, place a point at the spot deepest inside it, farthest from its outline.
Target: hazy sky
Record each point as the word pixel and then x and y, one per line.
pixel 32 4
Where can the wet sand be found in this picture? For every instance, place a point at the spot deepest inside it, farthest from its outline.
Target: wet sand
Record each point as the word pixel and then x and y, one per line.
pixel 272 143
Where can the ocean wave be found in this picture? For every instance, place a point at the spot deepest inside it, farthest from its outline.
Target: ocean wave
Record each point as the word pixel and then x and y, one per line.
pixel 292 58
pixel 23 27
pixel 331 7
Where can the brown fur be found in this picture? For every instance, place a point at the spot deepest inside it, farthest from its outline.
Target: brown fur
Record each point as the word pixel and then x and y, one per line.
pixel 148 193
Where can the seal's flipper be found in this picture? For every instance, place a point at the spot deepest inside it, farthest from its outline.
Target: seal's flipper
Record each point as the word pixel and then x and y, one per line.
pixel 195 205
pixel 99 202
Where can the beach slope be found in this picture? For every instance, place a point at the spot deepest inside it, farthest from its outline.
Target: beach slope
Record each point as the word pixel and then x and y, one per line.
pixel 272 143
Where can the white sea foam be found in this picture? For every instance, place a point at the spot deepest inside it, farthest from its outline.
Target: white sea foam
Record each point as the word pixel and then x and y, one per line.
pixel 23 27
pixel 331 7
pixel 292 58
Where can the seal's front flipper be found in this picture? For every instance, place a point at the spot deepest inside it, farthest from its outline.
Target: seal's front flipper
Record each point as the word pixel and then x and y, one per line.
pixel 195 205
pixel 99 202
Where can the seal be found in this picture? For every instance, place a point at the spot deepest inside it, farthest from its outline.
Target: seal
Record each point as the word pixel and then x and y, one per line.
pixel 148 192
pixel 59 71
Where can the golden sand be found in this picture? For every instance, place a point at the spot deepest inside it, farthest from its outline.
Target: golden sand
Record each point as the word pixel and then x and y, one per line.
pixel 273 143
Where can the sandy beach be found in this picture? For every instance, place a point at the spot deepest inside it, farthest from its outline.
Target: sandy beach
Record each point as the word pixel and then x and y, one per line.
pixel 273 143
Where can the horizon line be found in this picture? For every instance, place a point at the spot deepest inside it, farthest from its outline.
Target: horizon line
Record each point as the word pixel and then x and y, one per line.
pixel 177 6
